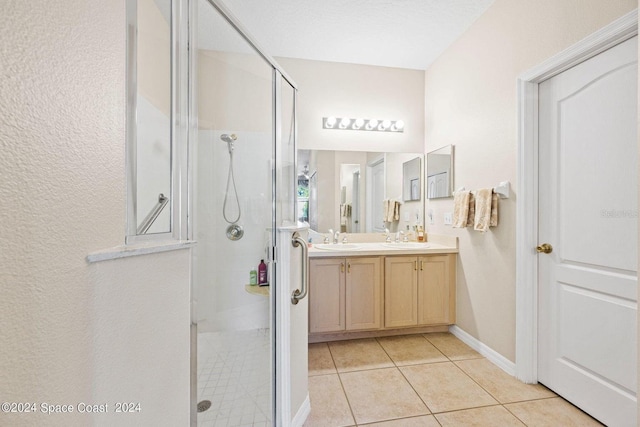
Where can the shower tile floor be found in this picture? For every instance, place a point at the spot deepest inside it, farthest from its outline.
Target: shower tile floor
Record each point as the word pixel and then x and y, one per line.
pixel 234 373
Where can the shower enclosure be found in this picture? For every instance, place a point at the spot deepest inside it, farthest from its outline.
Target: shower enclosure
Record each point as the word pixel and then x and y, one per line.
pixel 251 357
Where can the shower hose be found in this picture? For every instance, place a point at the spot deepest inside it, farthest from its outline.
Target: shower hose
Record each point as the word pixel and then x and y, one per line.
pixel 231 181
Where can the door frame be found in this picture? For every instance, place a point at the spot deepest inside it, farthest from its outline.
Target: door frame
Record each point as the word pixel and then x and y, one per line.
pixel 618 31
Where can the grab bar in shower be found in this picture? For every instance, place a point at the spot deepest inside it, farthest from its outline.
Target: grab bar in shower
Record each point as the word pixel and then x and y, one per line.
pixel 299 294
pixel 151 216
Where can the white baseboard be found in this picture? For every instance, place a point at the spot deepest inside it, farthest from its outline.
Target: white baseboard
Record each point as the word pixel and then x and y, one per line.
pixel 493 356
pixel 302 414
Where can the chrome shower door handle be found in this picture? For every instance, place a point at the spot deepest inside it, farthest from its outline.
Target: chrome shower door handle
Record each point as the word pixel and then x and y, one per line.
pixel 299 294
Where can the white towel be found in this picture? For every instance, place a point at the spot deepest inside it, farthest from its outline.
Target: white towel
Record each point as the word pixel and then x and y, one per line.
pixel 460 209
pixel 483 209
pixel 391 210
pixel 472 210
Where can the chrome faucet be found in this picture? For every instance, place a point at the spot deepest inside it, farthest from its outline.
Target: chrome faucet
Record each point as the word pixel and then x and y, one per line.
pixel 387 235
pixel 398 234
pixel 326 238
pixel 336 237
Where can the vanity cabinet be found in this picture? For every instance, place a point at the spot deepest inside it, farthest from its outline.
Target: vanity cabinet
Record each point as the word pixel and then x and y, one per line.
pixel 419 290
pixel 345 294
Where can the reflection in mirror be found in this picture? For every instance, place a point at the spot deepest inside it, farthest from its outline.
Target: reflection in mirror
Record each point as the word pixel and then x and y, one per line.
pixel 341 190
pixel 152 102
pixel 349 198
pixel 411 180
pixel 440 173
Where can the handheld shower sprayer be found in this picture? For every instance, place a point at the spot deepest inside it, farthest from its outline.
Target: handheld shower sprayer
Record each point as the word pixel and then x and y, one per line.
pixel 234 231
pixel 229 139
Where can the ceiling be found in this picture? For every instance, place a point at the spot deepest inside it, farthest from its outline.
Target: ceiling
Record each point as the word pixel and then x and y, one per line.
pixel 392 33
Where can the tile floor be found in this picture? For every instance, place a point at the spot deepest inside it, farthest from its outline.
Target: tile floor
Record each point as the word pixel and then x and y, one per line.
pixel 424 380
pixel 234 373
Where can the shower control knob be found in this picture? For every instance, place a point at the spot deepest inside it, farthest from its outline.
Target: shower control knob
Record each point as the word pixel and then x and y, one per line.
pixel 235 232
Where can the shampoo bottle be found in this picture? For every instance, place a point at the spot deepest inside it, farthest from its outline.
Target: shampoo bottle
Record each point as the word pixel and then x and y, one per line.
pixel 262 273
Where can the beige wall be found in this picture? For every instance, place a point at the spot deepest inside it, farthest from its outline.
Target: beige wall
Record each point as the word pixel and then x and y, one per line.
pixel 471 102
pixel 348 90
pixel 73 332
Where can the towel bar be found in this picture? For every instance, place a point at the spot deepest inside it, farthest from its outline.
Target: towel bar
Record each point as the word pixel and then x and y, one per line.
pixel 502 189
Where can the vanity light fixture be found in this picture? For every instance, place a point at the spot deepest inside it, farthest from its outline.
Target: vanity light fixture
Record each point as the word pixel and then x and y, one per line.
pixel 329 122
pixel 371 124
pixel 397 126
pixel 345 123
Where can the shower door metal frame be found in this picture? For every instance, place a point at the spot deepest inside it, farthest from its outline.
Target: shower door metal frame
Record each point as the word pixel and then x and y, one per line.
pixel 179 127
pixel 279 396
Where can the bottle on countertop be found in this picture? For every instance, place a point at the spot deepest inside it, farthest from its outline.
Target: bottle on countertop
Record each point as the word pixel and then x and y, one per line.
pixel 262 273
pixel 420 234
pixel 253 277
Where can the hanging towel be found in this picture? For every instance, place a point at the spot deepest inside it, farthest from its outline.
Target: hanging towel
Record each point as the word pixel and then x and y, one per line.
pixel 385 212
pixel 460 209
pixel 494 210
pixel 472 210
pixel 396 211
pixel 483 209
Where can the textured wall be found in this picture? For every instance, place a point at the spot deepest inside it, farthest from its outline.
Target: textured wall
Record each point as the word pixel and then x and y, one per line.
pixel 62 192
pixel 471 102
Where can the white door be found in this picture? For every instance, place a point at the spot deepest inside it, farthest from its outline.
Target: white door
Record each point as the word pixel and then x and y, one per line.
pixel 587 349
pixel 355 203
pixel 374 203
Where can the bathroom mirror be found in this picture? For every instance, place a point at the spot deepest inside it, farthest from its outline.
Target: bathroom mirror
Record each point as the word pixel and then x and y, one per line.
pixel 344 190
pixel 440 173
pixel 411 183
pixel 149 107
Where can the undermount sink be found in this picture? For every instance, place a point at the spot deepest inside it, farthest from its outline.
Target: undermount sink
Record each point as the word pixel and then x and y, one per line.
pixel 337 246
pixel 406 245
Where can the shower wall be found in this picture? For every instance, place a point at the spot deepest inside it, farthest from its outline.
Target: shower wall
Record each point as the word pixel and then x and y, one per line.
pixel 234 97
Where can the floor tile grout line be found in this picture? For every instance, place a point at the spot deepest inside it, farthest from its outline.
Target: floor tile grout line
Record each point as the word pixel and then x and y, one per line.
pixel 410 364
pixel 415 391
pixel 477 383
pixel 353 416
pixel 517 417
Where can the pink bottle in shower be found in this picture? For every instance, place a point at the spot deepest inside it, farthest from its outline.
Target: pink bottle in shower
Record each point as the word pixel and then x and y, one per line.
pixel 262 273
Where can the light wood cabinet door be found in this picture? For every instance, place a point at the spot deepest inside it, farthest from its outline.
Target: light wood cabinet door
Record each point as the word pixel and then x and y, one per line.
pixel 400 291
pixel 327 295
pixel 436 289
pixel 364 293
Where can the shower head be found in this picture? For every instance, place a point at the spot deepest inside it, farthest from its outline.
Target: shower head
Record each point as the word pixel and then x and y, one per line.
pixel 229 140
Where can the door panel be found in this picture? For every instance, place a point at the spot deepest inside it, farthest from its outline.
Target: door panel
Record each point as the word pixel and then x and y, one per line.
pixel 377 196
pixel 588 212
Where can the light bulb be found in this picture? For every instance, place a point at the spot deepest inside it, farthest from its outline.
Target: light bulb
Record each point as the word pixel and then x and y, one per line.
pixel 384 125
pixel 372 124
pixel 397 126
pixel 358 123
pixel 330 122
pixel 344 123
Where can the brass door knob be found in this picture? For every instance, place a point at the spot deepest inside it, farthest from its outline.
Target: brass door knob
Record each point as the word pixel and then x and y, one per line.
pixel 544 248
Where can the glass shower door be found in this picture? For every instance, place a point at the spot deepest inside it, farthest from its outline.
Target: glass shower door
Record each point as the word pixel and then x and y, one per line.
pixel 234 225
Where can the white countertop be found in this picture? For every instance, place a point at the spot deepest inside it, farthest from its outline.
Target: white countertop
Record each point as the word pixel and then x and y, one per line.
pixel 379 249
